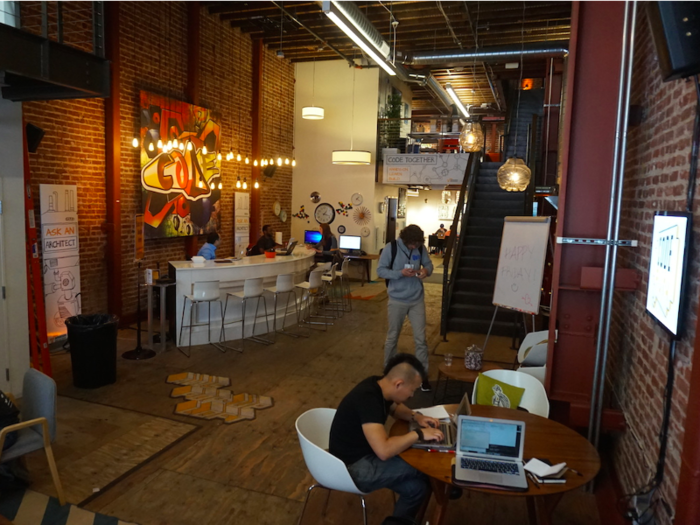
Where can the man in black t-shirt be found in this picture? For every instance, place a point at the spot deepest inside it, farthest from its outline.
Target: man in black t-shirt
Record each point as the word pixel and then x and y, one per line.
pixel 266 242
pixel 359 439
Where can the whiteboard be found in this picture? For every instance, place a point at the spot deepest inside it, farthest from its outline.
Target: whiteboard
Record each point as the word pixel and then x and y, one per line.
pixel 521 263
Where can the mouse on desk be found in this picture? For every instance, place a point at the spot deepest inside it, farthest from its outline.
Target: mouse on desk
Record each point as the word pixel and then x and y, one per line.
pixel 362 252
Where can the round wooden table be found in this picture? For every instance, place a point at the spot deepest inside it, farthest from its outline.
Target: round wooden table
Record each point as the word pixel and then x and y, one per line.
pixel 459 372
pixel 544 439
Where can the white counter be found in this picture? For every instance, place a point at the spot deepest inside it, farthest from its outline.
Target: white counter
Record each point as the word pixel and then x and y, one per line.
pixel 231 277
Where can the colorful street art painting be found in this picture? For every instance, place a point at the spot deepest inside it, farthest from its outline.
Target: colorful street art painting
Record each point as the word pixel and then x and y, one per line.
pixel 180 186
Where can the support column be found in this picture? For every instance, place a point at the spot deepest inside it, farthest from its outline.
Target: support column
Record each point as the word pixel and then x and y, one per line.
pixel 257 124
pixel 192 88
pixel 113 225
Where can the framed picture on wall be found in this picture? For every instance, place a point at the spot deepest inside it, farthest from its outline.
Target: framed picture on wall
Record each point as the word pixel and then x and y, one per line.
pixel 401 209
pixel 444 212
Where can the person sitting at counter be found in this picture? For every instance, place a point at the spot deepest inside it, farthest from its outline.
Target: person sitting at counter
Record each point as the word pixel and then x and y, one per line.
pixel 327 247
pixel 208 249
pixel 266 242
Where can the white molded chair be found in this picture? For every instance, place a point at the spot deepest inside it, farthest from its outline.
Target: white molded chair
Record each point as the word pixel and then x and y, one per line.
pixel 202 292
pixel 535 362
pixel 38 427
pixel 314 429
pixel 252 290
pixel 535 397
pixel 285 286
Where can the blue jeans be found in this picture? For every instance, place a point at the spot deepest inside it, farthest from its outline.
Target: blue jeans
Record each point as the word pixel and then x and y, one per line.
pixel 397 313
pixel 371 473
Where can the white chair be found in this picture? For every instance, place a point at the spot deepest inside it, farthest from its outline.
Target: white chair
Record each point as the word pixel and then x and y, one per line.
pixel 534 398
pixel 345 283
pixel 205 292
pixel 38 427
pixel 252 290
pixel 284 286
pixel 313 291
pixel 330 279
pixel 314 428
pixel 534 362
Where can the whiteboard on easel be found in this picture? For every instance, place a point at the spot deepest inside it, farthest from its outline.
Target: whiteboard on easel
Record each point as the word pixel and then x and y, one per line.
pixel 521 263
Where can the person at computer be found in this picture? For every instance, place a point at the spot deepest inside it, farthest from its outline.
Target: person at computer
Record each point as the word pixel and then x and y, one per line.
pixel 208 249
pixel 327 247
pixel 359 439
pixel 266 242
pixel 405 272
pixel 440 233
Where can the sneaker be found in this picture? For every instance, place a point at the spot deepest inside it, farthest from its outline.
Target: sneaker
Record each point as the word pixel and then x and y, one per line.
pixel 425 386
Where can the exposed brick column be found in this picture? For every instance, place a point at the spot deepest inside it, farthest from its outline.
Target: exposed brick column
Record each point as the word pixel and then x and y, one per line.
pixel 192 88
pixel 256 117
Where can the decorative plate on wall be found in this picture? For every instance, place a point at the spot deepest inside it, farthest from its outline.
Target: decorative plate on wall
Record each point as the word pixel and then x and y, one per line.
pixel 356 199
pixel 365 231
pixel 362 215
pixel 276 207
pixel 315 197
pixel 283 216
pixel 341 229
pixel 324 213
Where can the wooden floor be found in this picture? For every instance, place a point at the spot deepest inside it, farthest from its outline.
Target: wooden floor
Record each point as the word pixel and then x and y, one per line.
pixel 253 472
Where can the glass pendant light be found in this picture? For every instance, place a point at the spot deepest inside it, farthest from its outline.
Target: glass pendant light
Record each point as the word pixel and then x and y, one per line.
pixel 514 175
pixel 472 138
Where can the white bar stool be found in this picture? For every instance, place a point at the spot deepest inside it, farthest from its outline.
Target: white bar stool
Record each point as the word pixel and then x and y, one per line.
pixel 202 292
pixel 285 286
pixel 330 280
pixel 252 289
pixel 314 289
pixel 345 283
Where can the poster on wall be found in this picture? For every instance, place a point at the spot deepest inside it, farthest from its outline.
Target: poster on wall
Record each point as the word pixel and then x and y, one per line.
pixel 180 186
pixel 61 256
pixel 139 241
pixel 440 169
pixel 241 222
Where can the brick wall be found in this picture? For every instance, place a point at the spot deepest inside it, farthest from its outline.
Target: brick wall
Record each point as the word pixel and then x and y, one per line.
pixel 153 38
pixel 656 178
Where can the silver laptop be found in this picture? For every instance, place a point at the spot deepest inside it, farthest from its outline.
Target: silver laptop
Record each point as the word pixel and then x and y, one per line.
pixel 288 250
pixel 447 427
pixel 490 451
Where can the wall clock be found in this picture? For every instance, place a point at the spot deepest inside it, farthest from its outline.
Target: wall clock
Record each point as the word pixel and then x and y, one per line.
pixel 356 199
pixel 324 213
pixel 341 229
pixel 364 231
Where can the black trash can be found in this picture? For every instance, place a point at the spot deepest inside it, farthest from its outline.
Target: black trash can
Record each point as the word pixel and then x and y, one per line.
pixel 93 349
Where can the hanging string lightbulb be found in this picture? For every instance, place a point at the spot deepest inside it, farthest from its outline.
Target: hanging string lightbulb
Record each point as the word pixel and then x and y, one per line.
pixel 189 146
pixel 181 146
pixel 170 145
pixel 238 183
pixel 245 184
pixel 286 161
pixel 200 184
pixel 255 163
pixel 294 163
pixel 150 147
pixel 255 184
pixel 160 144
pixel 218 157
pixel 175 143
pixel 238 157
pixel 247 161
pixel 221 186
pixel 279 161
pixel 272 161
pixel 135 142
pixel 204 150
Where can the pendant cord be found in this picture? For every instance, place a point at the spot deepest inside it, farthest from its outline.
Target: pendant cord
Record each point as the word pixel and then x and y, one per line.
pixel 520 84
pixel 352 121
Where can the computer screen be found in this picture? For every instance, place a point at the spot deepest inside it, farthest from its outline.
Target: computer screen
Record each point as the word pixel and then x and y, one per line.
pixel 490 437
pixel 312 236
pixel 667 268
pixel 350 242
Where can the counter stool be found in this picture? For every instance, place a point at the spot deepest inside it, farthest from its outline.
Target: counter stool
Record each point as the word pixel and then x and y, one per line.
pixel 314 289
pixel 284 286
pixel 252 290
pixel 330 279
pixel 345 284
pixel 202 292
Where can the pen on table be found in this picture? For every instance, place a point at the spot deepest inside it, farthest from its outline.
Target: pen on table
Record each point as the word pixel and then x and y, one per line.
pixel 575 471
pixel 534 481
pixel 443 451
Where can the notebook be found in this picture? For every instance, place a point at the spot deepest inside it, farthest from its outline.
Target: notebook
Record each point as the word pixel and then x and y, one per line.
pixel 447 427
pixel 490 451
pixel 289 249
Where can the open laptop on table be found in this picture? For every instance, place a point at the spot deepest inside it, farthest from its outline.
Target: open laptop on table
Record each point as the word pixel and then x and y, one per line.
pixel 490 451
pixel 448 427
pixel 290 248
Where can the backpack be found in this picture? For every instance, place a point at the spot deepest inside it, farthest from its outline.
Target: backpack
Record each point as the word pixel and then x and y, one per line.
pixel 394 250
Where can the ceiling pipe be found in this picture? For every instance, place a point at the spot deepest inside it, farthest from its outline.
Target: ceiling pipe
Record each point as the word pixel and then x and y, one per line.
pixel 436 89
pixel 487 54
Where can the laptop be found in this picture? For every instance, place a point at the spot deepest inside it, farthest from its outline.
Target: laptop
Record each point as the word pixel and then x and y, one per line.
pixel 490 451
pixel 447 427
pixel 288 250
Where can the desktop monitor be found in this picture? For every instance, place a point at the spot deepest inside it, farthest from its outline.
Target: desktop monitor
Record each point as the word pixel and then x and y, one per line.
pixel 350 242
pixel 667 269
pixel 312 236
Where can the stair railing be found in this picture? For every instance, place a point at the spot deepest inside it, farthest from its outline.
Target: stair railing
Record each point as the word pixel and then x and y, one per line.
pixel 456 238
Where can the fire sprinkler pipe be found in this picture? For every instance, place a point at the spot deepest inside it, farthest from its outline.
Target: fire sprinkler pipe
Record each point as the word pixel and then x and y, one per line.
pixel 487 54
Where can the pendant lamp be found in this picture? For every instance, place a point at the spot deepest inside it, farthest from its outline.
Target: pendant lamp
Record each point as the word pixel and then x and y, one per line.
pixel 352 157
pixel 312 112
pixel 472 138
pixel 514 175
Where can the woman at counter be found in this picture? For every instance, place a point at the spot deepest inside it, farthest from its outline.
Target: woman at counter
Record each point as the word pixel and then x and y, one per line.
pixel 328 245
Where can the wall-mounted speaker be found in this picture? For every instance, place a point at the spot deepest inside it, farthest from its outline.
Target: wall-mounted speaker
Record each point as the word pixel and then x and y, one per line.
pixel 34 136
pixel 675 28
pixel 269 171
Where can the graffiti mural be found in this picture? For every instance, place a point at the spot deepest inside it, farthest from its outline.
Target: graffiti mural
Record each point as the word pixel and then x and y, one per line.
pixel 180 187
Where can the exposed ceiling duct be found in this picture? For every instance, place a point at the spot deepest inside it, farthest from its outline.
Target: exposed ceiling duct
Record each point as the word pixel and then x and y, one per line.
pixel 488 54
pixel 436 89
pixel 364 26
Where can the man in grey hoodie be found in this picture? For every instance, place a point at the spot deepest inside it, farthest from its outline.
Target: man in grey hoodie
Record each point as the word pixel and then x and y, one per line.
pixel 405 265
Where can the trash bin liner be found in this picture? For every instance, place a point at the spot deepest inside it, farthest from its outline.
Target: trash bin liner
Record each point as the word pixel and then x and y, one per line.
pixel 93 349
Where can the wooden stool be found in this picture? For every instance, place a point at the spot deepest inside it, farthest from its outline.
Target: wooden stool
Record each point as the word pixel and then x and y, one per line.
pixel 459 372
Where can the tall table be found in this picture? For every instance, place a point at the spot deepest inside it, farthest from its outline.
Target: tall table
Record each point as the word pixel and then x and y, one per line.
pixel 367 260
pixel 544 439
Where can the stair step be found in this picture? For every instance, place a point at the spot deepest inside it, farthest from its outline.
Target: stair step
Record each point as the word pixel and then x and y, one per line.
pixel 490 252
pixel 491 186
pixel 473 298
pixel 474 285
pixel 468 311
pixel 512 207
pixel 492 212
pixel 484 231
pixel 480 327
pixel 498 195
pixel 478 261
pixel 475 240
pixel 485 222
pixel 485 274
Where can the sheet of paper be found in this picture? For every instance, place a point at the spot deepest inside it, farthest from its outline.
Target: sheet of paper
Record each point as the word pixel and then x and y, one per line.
pixel 541 469
pixel 438 412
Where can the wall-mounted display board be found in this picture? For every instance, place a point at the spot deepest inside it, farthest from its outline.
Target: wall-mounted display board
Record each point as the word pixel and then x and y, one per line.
pixel 438 169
